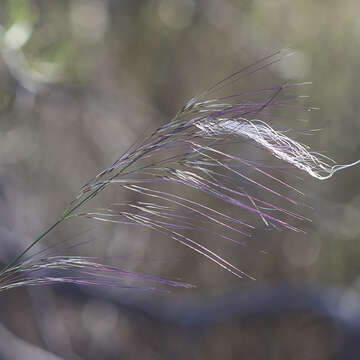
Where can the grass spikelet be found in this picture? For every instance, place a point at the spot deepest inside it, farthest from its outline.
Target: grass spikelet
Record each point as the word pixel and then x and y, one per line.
pixel 76 270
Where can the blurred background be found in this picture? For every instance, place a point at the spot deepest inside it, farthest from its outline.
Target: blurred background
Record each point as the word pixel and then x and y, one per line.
pixel 80 80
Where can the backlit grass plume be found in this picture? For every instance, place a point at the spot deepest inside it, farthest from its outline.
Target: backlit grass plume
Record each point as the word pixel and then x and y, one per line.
pixel 197 152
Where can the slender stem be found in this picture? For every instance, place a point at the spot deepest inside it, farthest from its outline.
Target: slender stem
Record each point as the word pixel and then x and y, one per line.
pixel 68 212
pixel 63 217
pixel 17 258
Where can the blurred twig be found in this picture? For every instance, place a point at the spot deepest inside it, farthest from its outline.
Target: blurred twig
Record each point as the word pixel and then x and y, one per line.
pixel 204 313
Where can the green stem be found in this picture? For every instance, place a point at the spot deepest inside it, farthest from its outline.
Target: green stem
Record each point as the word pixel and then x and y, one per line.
pixel 15 260
pixel 66 214
pixel 63 217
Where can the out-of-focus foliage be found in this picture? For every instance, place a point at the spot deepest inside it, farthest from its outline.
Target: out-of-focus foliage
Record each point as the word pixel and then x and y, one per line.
pixel 81 80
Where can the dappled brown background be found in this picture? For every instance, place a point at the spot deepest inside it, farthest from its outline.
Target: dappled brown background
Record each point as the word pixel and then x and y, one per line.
pixel 81 80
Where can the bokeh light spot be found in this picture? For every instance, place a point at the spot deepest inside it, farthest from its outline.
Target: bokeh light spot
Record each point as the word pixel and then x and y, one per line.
pixel 176 14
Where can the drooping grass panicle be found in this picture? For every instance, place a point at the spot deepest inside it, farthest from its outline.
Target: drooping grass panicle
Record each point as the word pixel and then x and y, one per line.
pixel 189 151
pixel 196 155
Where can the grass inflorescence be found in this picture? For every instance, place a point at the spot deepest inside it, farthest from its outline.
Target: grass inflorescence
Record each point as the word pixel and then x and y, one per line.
pixel 197 150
